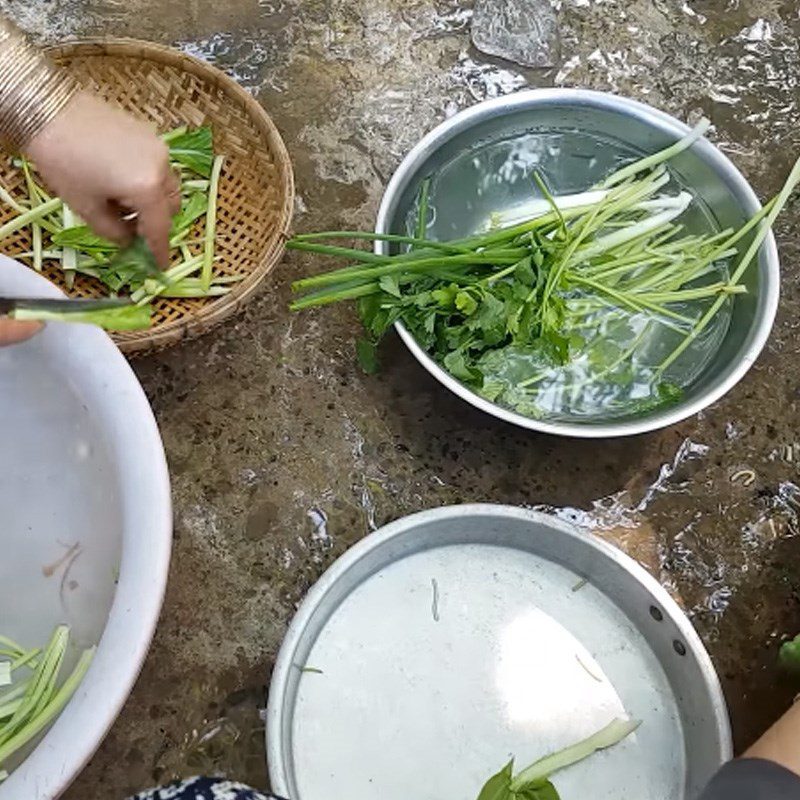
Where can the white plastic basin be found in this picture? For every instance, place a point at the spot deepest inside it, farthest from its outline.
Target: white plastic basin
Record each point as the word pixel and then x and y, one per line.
pixel 83 471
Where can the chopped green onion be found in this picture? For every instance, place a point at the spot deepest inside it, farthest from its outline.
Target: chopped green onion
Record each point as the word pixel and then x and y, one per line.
pixel 34 702
pixel 29 216
pixel 211 222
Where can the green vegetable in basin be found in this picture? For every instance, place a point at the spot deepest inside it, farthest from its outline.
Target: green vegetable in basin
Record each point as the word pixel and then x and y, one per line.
pixel 61 240
pixel 598 304
pixel 533 783
pixel 37 694
pixel 191 149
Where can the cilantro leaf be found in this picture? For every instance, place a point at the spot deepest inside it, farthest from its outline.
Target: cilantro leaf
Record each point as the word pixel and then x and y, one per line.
pixel 515 364
pixel 446 295
pixel 524 272
pixel 488 321
pixel 390 285
pixel 456 364
pixel 466 303
pixel 376 316
pixel 367 352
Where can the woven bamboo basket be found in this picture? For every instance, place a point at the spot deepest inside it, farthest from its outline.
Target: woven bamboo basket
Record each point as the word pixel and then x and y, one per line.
pixel 256 190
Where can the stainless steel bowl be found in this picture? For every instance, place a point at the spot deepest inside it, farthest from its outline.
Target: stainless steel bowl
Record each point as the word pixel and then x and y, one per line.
pixel 628 127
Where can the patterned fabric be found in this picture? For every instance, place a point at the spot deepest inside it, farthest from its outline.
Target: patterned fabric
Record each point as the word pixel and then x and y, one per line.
pixel 204 789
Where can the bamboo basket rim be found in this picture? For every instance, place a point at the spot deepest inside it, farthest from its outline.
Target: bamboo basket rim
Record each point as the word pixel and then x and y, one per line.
pixel 214 310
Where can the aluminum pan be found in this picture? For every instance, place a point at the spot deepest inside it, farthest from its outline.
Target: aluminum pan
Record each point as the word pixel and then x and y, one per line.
pixel 425 697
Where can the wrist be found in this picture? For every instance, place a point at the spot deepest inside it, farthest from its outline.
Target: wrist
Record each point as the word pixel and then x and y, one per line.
pixel 33 91
pixel 53 136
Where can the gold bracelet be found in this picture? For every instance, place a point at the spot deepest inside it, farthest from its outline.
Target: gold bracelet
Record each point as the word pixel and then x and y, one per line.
pixel 32 89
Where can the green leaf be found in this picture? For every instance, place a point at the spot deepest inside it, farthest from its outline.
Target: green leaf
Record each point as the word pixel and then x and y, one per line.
pixel 524 272
pixel 559 346
pixel 131 265
pixel 527 326
pixel 498 787
pixel 194 207
pixel 368 309
pixel 390 285
pixel 665 394
pixel 513 318
pixel 520 291
pixel 136 261
pixel 111 279
pixel 194 150
pixel 514 364
pixel 452 337
pixel 553 315
pixel 789 656
pixel 456 364
pixel 81 237
pixel 489 320
pixel 466 303
pixel 543 791
pixel 421 299
pixel 367 352
pixel 375 316
pixel 446 295
pixel 576 343
pixel 492 389
pixel 602 353
pixel 669 392
pixel 522 401
pixel 623 375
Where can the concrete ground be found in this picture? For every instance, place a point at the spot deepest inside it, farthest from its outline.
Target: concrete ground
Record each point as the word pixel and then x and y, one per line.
pixel 270 426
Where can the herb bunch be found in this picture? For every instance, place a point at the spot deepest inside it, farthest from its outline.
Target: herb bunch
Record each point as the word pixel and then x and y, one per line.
pixel 584 284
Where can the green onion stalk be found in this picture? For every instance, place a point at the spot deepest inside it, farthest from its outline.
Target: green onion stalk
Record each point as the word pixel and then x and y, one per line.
pixel 34 700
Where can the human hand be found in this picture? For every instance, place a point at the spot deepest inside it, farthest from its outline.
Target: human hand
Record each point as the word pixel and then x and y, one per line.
pixel 104 164
pixel 13 332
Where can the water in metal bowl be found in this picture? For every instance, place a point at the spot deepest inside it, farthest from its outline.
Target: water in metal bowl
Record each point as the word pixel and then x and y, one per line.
pixel 451 640
pixel 481 163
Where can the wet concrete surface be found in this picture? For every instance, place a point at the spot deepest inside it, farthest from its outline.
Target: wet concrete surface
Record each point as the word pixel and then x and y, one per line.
pixel 283 454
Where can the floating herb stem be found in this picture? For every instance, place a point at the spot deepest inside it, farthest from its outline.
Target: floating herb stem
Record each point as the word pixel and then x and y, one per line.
pixel 422 210
pixel 775 209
